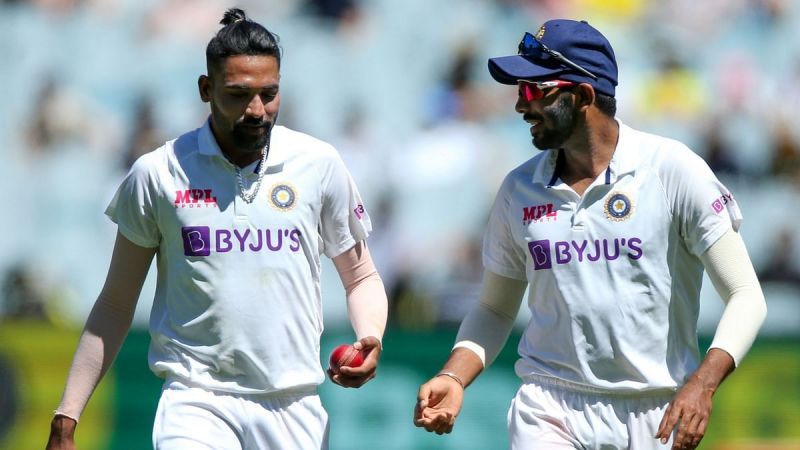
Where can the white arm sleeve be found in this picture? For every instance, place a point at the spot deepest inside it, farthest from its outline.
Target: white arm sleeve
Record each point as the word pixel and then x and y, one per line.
pixel 107 325
pixel 732 274
pixel 367 305
pixel 486 328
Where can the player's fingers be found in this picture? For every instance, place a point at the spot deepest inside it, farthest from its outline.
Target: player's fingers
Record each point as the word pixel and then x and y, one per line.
pixel 701 431
pixel 681 435
pixel 426 417
pixel 367 342
pixel 333 377
pixel 450 420
pixel 346 383
pixel 371 358
pixel 692 429
pixel 433 424
pixel 361 371
pixel 350 382
pixel 368 377
pixel 422 421
pixel 423 394
pixel 370 348
pixel 417 417
pixel 346 380
pixel 443 425
pixel 450 423
pixel 677 443
pixel 357 382
pixel 667 425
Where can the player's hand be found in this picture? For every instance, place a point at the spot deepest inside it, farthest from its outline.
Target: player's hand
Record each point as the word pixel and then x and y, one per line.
pixel 438 404
pixel 688 415
pixel 355 377
pixel 62 434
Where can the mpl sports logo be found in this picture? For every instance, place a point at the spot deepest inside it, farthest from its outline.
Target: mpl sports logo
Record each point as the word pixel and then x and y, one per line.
pixel 195 198
pixel 719 204
pixel 546 255
pixel 201 241
pixel 538 213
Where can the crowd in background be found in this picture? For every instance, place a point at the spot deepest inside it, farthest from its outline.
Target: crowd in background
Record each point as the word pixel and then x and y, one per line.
pixel 401 89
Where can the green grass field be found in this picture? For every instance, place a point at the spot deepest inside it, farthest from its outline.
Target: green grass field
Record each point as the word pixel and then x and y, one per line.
pixel 758 407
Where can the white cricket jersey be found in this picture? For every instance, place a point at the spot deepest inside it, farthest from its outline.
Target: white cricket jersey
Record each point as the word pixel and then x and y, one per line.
pixel 237 306
pixel 614 275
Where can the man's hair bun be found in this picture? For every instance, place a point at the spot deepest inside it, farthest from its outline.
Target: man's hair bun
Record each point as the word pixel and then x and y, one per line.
pixel 233 15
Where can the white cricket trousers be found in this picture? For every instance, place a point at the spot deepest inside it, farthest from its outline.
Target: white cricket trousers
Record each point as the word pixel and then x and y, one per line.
pixel 190 418
pixel 550 414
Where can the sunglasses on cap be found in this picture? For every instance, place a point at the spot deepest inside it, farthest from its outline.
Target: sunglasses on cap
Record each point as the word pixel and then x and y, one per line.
pixel 530 46
pixel 534 90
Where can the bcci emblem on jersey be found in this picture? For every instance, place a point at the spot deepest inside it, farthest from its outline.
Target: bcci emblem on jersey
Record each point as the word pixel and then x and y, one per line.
pixel 618 207
pixel 283 196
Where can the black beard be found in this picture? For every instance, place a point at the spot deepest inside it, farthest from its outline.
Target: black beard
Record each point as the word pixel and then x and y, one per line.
pixel 563 118
pixel 249 142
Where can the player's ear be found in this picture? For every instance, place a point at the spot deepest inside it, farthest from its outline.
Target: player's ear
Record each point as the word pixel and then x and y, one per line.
pixel 204 87
pixel 585 95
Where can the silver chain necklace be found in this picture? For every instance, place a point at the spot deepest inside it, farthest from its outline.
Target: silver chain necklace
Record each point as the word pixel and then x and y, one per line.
pixel 248 197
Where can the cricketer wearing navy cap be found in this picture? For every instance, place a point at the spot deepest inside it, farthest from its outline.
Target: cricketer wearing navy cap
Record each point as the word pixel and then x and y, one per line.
pixel 565 49
pixel 609 229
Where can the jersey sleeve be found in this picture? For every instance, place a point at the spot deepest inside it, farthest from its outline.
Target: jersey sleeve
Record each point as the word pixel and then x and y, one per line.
pixel 133 206
pixel 344 220
pixel 501 254
pixel 702 206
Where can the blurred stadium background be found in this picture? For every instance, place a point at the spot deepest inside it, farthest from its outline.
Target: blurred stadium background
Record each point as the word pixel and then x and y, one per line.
pixel 401 89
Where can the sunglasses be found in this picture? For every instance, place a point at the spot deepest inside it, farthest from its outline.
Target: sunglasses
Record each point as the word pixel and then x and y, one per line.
pixel 530 46
pixel 534 90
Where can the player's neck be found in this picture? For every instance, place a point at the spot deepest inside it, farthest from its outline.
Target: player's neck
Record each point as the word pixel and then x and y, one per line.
pixel 590 154
pixel 242 159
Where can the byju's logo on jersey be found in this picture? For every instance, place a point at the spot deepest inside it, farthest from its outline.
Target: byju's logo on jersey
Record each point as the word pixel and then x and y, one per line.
pixel 544 254
pixel 195 198
pixel 540 252
pixel 200 241
pixel 538 213
pixel 196 241
pixel 719 204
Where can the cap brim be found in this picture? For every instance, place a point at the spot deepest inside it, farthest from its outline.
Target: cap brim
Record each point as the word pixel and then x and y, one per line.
pixel 509 69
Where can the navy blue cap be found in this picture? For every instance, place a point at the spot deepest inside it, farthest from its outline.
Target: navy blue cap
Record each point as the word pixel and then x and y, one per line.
pixel 576 41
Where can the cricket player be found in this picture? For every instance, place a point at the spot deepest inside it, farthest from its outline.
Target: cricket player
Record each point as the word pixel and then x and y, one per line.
pixel 610 229
pixel 237 214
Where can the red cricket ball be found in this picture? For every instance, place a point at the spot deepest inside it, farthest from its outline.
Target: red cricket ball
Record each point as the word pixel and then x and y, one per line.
pixel 345 355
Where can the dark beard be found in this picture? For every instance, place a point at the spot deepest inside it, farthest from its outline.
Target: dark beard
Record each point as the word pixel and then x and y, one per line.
pixel 248 142
pixel 562 117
